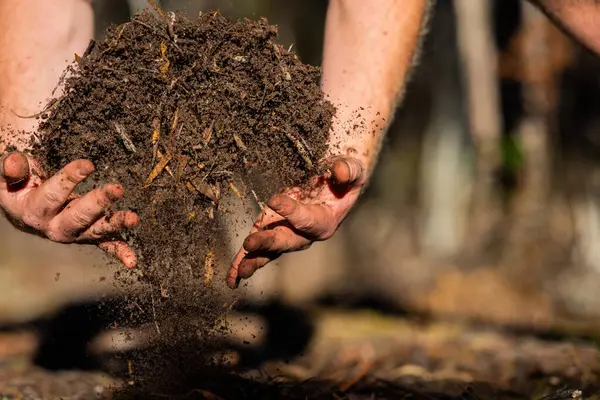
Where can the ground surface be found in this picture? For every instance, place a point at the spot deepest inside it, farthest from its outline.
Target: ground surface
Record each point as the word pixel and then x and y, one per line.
pixel 357 355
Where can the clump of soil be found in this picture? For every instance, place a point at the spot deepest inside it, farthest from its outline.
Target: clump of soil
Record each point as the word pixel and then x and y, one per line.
pixel 183 113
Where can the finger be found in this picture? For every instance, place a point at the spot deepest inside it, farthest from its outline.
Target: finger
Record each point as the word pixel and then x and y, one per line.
pixel 232 279
pixel 52 194
pixel 122 251
pixel 266 218
pixel 311 219
pixel 109 226
pixel 278 240
pixel 347 171
pixel 250 265
pixel 80 214
pixel 14 168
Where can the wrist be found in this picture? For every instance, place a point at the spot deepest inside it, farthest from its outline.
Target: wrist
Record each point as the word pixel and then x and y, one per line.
pixel 359 136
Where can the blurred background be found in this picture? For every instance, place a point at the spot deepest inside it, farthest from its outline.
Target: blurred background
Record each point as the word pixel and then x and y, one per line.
pixel 485 204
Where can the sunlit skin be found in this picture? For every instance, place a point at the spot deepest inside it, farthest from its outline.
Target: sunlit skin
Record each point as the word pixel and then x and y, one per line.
pixel 369 49
pixel 38 40
pixel 51 208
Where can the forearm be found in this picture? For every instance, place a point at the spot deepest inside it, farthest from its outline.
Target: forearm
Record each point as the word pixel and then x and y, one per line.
pixel 38 40
pixel 579 18
pixel 369 50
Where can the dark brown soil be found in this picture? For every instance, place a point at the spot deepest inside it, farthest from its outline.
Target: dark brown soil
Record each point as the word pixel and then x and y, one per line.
pixel 184 113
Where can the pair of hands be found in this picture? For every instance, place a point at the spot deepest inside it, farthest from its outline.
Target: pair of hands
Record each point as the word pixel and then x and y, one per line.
pixel 291 221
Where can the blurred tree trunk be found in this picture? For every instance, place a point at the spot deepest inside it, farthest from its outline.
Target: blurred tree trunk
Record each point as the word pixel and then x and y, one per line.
pixel 442 164
pixel 529 208
pixel 479 65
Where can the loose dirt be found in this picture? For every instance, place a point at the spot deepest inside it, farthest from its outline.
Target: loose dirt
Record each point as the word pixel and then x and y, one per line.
pixel 185 113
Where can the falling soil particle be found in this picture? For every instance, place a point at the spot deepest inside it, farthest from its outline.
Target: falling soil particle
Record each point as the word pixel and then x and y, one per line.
pixel 184 113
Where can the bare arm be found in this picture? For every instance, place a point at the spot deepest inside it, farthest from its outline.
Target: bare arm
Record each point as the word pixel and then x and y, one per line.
pixel 370 48
pixel 579 18
pixel 38 40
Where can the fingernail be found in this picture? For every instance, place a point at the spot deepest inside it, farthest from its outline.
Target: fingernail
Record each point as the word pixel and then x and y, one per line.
pixel 274 202
pixel 15 167
pixel 114 192
pixel 353 170
pixel 85 168
pixel 133 220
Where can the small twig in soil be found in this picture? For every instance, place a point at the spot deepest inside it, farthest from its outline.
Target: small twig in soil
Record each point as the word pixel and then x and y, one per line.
pixel 166 63
pixel 164 292
pixel 183 163
pixel 276 51
pixel 172 26
pixel 209 267
pixel 155 138
pixel 207 134
pixel 212 192
pixel 154 313
pixel 260 203
pixel 136 305
pixel 167 168
pixel 115 42
pixel 190 187
pixel 157 8
pixel 304 153
pixel 173 127
pixel 164 35
pixel 125 138
pixel 50 107
pixel 236 191
pixel 158 168
pixel 212 167
pixel 239 142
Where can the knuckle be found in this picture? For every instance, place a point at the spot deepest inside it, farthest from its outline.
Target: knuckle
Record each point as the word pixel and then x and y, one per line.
pixel 32 221
pixel 71 177
pixel 304 224
pixel 56 235
pixel 52 197
pixel 102 198
pixel 93 234
pixel 79 218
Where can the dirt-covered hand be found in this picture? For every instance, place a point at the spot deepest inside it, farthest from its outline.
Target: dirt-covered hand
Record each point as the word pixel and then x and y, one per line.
pixel 50 207
pixel 296 218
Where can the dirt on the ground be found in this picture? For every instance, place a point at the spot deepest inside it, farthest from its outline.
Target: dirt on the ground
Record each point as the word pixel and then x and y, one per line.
pixel 351 356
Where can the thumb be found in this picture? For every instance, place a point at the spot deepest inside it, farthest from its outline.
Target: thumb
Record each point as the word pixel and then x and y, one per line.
pixel 347 171
pixel 14 168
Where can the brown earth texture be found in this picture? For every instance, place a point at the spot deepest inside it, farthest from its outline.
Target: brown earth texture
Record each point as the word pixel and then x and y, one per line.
pixel 184 114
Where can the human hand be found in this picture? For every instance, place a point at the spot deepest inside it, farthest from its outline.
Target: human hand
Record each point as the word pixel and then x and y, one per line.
pixel 50 208
pixel 296 218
